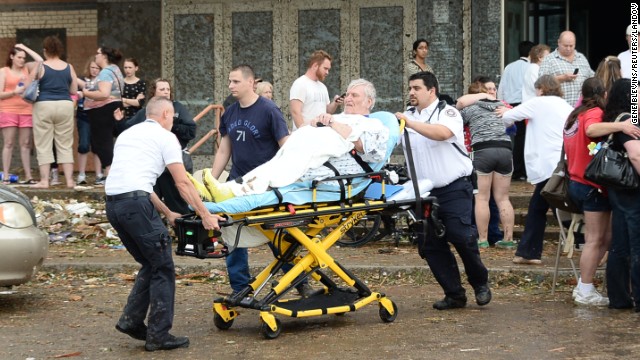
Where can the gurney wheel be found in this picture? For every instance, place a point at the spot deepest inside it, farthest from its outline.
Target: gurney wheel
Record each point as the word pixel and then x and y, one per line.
pixel 268 333
pixel 362 232
pixel 384 314
pixel 219 322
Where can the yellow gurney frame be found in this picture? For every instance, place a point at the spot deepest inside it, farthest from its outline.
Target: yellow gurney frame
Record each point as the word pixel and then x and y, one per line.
pixel 291 229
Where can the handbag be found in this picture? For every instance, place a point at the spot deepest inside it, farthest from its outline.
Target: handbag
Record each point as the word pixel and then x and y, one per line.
pixel 612 168
pixel 30 93
pixel 187 160
pixel 556 190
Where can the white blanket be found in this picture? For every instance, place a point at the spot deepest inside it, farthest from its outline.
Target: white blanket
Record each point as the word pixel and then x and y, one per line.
pixel 307 148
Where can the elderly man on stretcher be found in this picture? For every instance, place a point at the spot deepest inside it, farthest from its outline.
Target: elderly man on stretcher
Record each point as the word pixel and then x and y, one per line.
pixel 318 151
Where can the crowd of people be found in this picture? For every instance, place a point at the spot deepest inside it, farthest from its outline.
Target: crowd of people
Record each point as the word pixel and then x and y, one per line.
pixel 545 100
pixel 574 106
pixel 65 99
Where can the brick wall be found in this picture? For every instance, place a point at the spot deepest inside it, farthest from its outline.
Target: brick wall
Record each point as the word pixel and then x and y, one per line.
pixel 132 26
pixel 81 26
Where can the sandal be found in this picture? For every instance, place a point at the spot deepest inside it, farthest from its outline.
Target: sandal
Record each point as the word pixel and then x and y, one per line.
pixel 6 182
pixel 28 182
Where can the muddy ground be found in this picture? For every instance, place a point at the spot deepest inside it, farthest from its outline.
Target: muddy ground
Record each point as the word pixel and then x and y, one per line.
pixel 69 315
pixel 69 310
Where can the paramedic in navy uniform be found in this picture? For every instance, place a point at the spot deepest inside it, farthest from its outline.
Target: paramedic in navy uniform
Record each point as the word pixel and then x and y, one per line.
pixel 140 156
pixel 437 143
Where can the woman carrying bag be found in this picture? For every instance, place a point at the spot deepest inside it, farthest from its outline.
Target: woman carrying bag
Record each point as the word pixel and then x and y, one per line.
pixel 584 126
pixel 100 103
pixel 15 113
pixel 623 264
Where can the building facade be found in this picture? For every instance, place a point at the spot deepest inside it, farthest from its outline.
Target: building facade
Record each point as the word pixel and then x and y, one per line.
pixel 195 43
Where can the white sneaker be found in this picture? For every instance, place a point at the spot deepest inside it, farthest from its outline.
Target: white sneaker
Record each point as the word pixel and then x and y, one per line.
pixel 82 179
pixel 592 299
pixel 54 177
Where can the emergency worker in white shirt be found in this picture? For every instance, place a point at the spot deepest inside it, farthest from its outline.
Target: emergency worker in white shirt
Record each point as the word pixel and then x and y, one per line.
pixel 437 143
pixel 140 157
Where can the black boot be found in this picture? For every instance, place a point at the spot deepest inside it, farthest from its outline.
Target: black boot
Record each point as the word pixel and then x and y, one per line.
pixel 450 303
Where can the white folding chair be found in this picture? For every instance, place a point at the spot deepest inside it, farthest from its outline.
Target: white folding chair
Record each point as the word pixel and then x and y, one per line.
pixel 566 241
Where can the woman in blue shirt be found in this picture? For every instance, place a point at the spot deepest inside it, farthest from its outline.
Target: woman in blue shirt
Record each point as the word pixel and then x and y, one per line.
pixel 53 112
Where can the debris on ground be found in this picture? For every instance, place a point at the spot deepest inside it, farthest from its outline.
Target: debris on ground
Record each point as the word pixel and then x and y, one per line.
pixel 70 220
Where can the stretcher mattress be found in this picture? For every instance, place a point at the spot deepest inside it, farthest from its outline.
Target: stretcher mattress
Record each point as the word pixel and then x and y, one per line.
pixel 300 192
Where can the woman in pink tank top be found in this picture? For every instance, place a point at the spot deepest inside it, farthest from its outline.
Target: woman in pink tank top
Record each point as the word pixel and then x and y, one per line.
pixel 15 113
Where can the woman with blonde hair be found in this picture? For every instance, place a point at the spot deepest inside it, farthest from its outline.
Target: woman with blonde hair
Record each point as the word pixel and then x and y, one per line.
pixel 91 72
pixel 264 88
pixel 608 71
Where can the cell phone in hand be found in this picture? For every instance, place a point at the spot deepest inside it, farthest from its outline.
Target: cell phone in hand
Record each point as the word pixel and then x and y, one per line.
pixel 343 95
pixel 575 72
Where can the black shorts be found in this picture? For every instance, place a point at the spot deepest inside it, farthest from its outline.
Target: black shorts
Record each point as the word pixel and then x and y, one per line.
pixel 498 159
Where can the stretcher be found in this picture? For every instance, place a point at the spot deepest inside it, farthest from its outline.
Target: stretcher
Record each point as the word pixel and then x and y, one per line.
pixel 302 222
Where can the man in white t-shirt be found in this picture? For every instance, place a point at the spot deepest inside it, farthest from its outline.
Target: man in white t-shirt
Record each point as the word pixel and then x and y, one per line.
pixel 625 57
pixel 308 96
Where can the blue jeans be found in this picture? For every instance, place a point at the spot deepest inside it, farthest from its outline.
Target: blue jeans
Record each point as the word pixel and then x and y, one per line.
pixel 84 132
pixel 623 264
pixel 530 246
pixel 588 198
pixel 238 268
pixel 495 234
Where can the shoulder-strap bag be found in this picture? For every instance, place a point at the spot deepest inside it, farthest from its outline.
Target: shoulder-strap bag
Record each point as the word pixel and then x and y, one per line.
pixel 556 190
pixel 30 94
pixel 119 126
pixel 612 168
pixel 118 80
